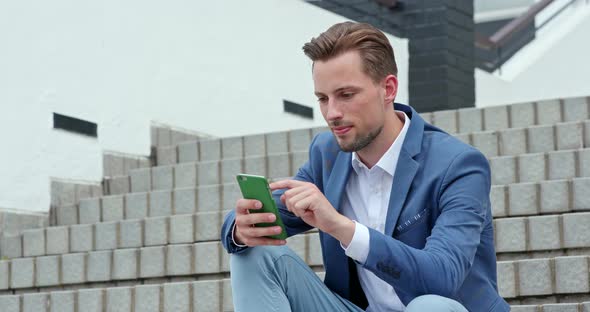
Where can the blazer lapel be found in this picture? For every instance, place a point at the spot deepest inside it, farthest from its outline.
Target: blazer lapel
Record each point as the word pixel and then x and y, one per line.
pixel 336 264
pixel 402 180
pixel 406 167
pixel 337 182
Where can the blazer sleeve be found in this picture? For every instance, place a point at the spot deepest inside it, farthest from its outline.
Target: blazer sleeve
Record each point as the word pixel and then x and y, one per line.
pixel 442 265
pixel 293 224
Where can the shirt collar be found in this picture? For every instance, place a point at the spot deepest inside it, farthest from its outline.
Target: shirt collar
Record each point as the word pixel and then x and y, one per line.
pixel 388 161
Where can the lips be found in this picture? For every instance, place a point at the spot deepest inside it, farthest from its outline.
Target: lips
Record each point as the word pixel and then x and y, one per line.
pixel 341 130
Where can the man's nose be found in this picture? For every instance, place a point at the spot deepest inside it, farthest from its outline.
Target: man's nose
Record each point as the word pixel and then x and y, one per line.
pixel 334 111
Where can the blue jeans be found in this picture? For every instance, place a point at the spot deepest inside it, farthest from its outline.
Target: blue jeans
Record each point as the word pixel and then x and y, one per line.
pixel 269 278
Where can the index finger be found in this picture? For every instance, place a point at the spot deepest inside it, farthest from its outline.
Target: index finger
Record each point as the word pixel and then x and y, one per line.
pixel 285 184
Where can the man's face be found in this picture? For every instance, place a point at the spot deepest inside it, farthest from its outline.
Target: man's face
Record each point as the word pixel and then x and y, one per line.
pixel 351 102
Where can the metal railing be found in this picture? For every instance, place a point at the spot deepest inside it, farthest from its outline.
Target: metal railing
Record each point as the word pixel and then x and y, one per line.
pixel 505 42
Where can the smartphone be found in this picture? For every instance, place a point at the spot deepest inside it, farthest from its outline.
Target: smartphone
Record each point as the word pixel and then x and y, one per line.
pixel 256 187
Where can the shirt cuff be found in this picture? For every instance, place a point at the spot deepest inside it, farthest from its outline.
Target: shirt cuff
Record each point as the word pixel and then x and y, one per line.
pixel 233 239
pixel 358 249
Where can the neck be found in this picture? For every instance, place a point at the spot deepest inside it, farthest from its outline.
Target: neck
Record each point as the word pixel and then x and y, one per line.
pixel 392 127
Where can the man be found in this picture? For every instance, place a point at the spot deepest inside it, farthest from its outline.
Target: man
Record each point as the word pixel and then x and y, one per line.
pixel 402 208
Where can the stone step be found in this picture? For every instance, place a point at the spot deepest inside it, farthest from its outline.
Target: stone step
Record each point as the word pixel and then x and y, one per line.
pixel 117 263
pixel 500 142
pixel 132 233
pixel 539 167
pixel 179 260
pixel 516 199
pixel 210 198
pixel 129 266
pixel 116 164
pixel 533 167
pixel 510 116
pixel 553 307
pixel 515 237
pixel 535 236
pixel 165 135
pixel 453 121
pixel 188 296
pixel 204 173
pixel 559 276
pixel 237 147
pixel 547 197
pixel 530 280
pixel 129 251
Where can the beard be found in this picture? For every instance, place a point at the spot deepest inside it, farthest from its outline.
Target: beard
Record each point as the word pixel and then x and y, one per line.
pixel 360 141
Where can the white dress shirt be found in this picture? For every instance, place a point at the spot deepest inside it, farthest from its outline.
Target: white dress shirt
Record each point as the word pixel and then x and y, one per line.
pixel 366 200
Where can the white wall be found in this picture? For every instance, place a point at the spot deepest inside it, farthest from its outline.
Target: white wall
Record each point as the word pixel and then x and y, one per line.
pixel 487 5
pixel 554 65
pixel 220 67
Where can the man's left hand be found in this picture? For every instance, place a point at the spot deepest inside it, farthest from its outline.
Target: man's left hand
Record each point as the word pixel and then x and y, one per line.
pixel 306 201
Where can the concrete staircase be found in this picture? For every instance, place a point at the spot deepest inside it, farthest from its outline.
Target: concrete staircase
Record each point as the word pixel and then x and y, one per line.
pixel 150 242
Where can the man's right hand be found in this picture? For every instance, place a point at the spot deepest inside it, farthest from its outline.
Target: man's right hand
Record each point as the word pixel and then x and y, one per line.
pixel 246 233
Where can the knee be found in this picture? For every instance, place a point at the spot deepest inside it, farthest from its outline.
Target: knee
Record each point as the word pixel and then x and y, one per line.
pixel 434 303
pixel 257 257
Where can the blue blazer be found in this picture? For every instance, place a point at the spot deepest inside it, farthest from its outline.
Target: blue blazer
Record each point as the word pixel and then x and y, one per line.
pixel 438 233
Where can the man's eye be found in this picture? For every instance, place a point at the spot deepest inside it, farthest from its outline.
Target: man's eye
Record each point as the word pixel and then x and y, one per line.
pixel 347 95
pixel 322 100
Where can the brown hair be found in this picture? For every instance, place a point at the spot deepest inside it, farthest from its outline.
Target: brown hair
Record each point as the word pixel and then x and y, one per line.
pixel 374 48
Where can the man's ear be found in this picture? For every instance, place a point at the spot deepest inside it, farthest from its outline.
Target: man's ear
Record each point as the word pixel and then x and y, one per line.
pixel 390 89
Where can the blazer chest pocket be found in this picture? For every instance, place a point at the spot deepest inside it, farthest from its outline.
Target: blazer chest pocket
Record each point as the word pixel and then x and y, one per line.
pixel 412 222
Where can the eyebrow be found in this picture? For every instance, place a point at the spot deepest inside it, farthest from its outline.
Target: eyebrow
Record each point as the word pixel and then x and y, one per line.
pixel 339 89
